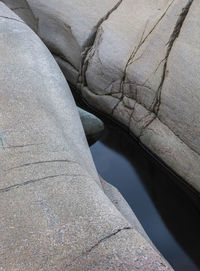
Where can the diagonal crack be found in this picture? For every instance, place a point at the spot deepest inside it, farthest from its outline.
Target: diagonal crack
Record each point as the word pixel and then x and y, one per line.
pixel 6 189
pixel 142 41
pixel 106 238
pixel 136 49
pixel 42 162
pixel 175 34
pixel 13 9
pixel 90 43
pixel 5 17
pixel 97 244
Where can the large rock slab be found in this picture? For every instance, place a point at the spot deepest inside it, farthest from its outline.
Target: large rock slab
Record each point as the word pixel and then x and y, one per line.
pixel 72 25
pixel 138 60
pixel 54 214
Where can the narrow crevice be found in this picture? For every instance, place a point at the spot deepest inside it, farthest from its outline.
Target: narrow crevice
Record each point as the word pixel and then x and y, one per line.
pixel 34 17
pixel 135 50
pixel 175 34
pixel 97 244
pixel 13 9
pixel 88 50
pixel 156 103
pixel 87 54
pixel 90 43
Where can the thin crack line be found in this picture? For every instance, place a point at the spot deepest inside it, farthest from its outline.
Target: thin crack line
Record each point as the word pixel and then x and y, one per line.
pixel 20 146
pixel 142 40
pixel 42 162
pixel 175 34
pixel 90 43
pixel 134 52
pixel 5 17
pixel 13 9
pixel 7 189
pixel 97 244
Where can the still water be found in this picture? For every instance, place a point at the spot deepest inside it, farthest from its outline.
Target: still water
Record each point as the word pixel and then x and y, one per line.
pixel 165 210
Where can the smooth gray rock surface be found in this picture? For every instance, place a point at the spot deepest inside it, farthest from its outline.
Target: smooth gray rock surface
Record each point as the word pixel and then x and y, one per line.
pixel 53 212
pixel 138 61
pixel 92 125
pixel 22 9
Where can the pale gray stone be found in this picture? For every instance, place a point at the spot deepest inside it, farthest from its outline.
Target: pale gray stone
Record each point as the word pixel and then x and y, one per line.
pixel 143 50
pixel 68 30
pixel 23 10
pixel 93 126
pixel 54 214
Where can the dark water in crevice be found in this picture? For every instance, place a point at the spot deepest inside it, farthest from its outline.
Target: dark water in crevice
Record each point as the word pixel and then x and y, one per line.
pixel 166 212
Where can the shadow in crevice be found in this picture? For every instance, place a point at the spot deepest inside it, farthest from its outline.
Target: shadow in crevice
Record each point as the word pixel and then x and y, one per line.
pixel 167 208
pixel 163 206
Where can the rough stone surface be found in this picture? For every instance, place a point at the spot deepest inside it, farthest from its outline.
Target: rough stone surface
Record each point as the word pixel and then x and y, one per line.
pixel 108 255
pixel 53 213
pixel 137 60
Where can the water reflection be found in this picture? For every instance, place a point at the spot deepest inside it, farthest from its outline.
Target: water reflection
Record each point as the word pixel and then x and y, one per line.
pixel 166 212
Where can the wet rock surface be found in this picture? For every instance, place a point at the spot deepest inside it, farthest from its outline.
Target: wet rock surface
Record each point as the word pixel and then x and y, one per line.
pixel 167 209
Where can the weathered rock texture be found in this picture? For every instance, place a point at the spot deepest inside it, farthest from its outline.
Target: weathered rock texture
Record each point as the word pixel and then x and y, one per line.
pixel 137 60
pixel 53 213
